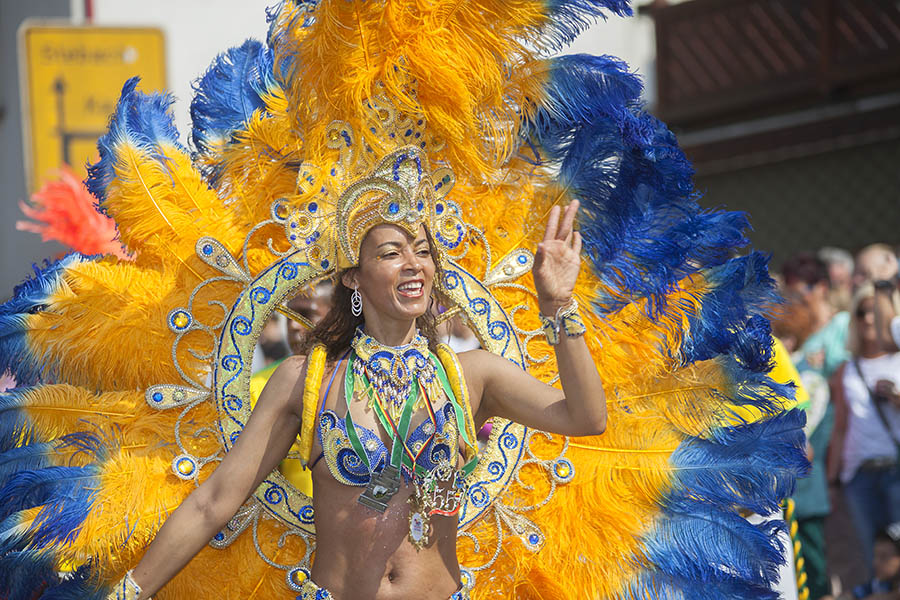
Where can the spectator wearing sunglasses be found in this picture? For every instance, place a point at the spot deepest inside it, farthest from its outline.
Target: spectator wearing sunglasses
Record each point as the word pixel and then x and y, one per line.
pixel 866 441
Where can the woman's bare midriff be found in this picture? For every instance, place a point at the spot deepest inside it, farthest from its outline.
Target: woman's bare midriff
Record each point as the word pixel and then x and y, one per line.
pixel 365 555
pixel 362 554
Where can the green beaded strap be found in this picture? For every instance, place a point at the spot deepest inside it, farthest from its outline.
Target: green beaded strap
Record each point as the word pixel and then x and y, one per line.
pixel 460 416
pixel 398 454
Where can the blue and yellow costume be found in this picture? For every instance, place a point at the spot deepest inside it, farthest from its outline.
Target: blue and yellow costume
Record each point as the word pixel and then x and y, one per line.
pixel 134 376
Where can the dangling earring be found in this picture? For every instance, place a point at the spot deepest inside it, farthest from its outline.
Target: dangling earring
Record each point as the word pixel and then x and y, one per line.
pixel 356 302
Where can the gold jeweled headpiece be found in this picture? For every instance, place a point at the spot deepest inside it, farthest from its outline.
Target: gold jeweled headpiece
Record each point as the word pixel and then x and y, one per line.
pixel 342 203
pixel 401 191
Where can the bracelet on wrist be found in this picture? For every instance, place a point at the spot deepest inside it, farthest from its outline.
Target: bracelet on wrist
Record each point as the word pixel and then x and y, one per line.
pixel 567 320
pixel 126 589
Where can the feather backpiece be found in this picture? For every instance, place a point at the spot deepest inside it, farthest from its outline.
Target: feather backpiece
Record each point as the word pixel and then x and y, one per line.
pixel 698 432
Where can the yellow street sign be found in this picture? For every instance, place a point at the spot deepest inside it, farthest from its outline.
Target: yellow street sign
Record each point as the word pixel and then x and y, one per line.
pixel 71 78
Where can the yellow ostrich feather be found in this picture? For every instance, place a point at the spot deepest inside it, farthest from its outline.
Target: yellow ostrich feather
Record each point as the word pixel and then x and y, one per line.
pixel 255 167
pixel 106 305
pixel 127 509
pixel 55 410
pixel 232 575
pixel 395 45
pixel 161 206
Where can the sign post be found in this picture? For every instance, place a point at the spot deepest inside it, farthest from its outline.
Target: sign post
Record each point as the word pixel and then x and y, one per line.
pixel 71 79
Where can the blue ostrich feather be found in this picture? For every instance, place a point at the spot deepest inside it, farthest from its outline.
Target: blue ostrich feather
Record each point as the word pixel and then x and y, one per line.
pixel 83 584
pixel 228 94
pixel 29 297
pixel 642 228
pixel 25 571
pixel 663 586
pixel 754 389
pixel 26 453
pixel 64 493
pixel 752 466
pixel 25 458
pixel 731 320
pixel 142 120
pixel 699 546
pixel 568 18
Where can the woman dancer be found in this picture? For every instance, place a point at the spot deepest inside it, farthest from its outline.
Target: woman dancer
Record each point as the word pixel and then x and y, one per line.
pixel 361 553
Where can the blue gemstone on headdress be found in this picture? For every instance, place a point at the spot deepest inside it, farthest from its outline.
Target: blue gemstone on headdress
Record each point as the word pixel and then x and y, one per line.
pixel 220 536
pixel 157 397
pixel 418 135
pixel 445 179
pixel 207 249
pixel 422 144
pixel 293 226
pixel 293 237
pixel 523 259
pixel 439 208
pixel 390 135
pixel 419 122
pixel 333 171
pixel 346 137
pixel 313 207
pixel 420 206
pixel 534 539
pixel 325 263
pixel 408 132
pixel 393 208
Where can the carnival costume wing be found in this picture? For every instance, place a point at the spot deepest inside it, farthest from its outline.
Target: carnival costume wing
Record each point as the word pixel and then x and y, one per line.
pixel 134 376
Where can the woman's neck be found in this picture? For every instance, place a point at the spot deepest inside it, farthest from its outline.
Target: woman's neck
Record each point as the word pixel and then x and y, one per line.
pixel 390 332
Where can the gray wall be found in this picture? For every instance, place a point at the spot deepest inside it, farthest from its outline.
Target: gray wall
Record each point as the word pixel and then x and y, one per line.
pixel 848 198
pixel 18 249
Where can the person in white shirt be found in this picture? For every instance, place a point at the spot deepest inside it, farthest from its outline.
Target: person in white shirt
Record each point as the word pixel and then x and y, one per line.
pixel 866 440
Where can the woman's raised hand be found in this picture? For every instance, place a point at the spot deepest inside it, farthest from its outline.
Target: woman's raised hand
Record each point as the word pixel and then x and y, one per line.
pixel 557 260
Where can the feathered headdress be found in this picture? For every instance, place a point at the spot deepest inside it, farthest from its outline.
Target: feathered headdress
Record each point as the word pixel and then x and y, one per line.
pixel 136 374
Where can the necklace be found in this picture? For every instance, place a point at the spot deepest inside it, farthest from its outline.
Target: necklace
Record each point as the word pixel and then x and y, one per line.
pixel 398 381
pixel 391 370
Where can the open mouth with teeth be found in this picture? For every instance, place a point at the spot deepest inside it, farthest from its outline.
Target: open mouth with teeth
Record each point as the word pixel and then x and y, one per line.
pixel 412 289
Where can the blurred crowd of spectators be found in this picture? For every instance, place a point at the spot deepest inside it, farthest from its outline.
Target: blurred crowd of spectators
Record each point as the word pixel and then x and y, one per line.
pixel 840 321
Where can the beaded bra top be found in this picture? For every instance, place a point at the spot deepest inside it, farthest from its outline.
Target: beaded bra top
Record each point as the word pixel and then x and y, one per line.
pixel 347 468
pixel 395 382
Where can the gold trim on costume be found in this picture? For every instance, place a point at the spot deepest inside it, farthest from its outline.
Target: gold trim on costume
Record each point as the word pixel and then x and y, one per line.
pixel 315 367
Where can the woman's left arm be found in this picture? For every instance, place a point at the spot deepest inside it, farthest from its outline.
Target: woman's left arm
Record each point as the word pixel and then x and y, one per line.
pixel 498 388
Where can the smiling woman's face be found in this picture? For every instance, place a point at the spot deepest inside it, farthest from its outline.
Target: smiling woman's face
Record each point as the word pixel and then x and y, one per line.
pixel 396 272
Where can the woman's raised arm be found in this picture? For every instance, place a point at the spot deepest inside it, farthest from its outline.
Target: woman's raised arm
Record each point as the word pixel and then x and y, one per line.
pixel 507 391
pixel 265 440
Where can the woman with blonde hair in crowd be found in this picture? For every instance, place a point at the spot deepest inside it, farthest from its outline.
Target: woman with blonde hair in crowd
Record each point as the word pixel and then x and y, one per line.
pixel 865 446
